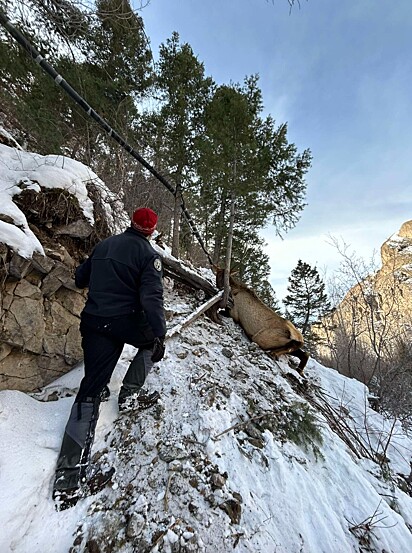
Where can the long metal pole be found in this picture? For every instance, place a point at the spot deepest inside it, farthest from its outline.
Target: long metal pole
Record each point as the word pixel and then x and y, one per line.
pixel 60 81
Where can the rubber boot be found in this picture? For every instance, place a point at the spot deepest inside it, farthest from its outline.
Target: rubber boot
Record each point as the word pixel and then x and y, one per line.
pixel 75 452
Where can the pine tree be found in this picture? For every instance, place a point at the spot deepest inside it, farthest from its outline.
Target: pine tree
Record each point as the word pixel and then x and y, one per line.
pixel 183 89
pixel 252 266
pixel 243 153
pixel 228 163
pixel 101 49
pixel 306 300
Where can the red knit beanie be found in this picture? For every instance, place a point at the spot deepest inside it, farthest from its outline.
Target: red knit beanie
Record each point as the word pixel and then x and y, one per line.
pixel 144 220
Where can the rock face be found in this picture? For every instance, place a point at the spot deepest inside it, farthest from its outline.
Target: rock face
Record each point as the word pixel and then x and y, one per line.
pixel 374 318
pixel 40 305
pixel 39 332
pixel 53 211
pixel 39 302
pixel 396 253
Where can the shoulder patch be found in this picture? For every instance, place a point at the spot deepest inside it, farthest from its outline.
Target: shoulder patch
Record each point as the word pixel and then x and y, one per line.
pixel 157 264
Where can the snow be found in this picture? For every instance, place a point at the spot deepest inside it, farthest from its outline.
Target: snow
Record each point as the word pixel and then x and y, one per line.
pixel 401 243
pixel 395 239
pixel 293 498
pixel 9 138
pixel 20 170
pixel 165 252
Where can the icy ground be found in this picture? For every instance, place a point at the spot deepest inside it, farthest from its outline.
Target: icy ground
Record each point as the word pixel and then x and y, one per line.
pixel 234 458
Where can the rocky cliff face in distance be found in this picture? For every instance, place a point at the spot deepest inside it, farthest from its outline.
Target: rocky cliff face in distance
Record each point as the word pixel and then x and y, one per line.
pixel 373 323
pixel 396 255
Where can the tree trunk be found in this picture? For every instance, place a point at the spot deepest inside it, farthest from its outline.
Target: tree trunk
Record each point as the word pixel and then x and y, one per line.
pixel 176 223
pixel 226 286
pixel 177 271
pixel 219 231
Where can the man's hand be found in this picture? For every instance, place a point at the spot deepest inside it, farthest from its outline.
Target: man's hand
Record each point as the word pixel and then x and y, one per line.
pixel 158 349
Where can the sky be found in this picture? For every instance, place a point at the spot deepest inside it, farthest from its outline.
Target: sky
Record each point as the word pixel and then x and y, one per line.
pixel 340 74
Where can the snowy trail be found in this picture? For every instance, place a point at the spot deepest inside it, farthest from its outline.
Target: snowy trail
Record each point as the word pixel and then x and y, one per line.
pixel 31 430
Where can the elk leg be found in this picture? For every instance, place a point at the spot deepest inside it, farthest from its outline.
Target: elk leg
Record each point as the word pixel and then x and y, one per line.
pixel 286 349
pixel 303 357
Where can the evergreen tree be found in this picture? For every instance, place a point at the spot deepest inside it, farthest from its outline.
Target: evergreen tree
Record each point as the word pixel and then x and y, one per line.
pixel 306 300
pixel 282 193
pixel 252 267
pixel 19 75
pixel 229 163
pixel 102 50
pixel 184 90
pixel 116 76
pixel 242 153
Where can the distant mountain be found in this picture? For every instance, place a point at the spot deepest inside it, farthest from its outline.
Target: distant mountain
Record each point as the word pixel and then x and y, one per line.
pixel 369 334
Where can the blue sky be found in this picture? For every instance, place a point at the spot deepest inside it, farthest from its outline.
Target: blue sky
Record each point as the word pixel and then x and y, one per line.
pixel 340 73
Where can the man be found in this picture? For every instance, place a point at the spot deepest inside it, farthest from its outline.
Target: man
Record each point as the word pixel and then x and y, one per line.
pixel 124 306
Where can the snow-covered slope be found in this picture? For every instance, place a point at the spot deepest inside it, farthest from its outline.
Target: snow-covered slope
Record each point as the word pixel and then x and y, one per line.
pixel 240 455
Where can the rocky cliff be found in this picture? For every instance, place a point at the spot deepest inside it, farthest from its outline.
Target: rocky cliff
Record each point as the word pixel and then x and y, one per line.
pixel 396 255
pixel 40 309
pixel 52 211
pixel 373 322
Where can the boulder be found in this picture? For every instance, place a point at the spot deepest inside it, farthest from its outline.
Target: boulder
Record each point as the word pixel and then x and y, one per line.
pixel 18 267
pixel 58 276
pixel 20 371
pixel 26 290
pixel 25 324
pixel 77 229
pixel 72 301
pixel 61 319
pixel 42 263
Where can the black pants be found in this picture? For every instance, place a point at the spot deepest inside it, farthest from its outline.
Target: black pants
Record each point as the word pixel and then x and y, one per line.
pixel 103 340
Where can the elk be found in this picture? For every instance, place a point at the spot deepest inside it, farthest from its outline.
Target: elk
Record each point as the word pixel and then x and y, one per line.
pixel 274 334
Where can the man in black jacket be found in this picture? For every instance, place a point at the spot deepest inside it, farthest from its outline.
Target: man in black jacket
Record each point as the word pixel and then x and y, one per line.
pixel 124 306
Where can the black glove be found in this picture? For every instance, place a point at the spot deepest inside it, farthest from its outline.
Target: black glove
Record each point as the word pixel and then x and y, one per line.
pixel 158 349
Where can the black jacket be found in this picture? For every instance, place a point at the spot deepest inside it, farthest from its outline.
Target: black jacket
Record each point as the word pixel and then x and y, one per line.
pixel 124 275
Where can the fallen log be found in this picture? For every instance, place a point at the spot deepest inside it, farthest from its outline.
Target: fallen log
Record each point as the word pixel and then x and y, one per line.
pixel 176 270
